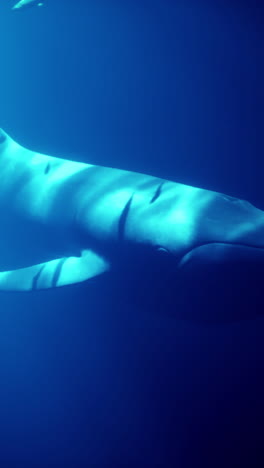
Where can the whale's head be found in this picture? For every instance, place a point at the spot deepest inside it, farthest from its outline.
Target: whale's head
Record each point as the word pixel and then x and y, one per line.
pixel 208 254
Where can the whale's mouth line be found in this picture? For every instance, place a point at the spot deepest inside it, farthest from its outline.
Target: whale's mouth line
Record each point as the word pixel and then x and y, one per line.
pixel 216 246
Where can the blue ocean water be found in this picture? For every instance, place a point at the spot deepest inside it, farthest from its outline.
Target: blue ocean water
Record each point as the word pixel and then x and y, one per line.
pixel 173 89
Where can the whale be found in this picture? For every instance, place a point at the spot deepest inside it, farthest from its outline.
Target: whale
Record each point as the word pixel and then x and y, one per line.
pixel 167 244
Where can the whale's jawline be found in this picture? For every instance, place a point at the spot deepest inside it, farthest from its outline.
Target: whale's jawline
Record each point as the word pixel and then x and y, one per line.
pixel 212 249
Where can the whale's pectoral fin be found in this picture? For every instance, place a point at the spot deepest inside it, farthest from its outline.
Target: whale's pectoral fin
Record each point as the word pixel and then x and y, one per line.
pixel 54 273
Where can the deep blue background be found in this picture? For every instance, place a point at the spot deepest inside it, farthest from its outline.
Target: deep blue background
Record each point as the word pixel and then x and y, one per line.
pixel 173 89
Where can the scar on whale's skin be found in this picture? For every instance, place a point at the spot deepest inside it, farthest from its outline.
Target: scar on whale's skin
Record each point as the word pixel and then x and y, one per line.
pixel 157 193
pixel 47 169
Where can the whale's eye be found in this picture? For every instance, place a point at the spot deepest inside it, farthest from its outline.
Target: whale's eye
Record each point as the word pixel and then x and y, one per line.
pixel 161 250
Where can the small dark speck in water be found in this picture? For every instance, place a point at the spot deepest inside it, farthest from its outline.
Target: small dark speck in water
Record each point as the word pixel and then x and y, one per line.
pixel 2 137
